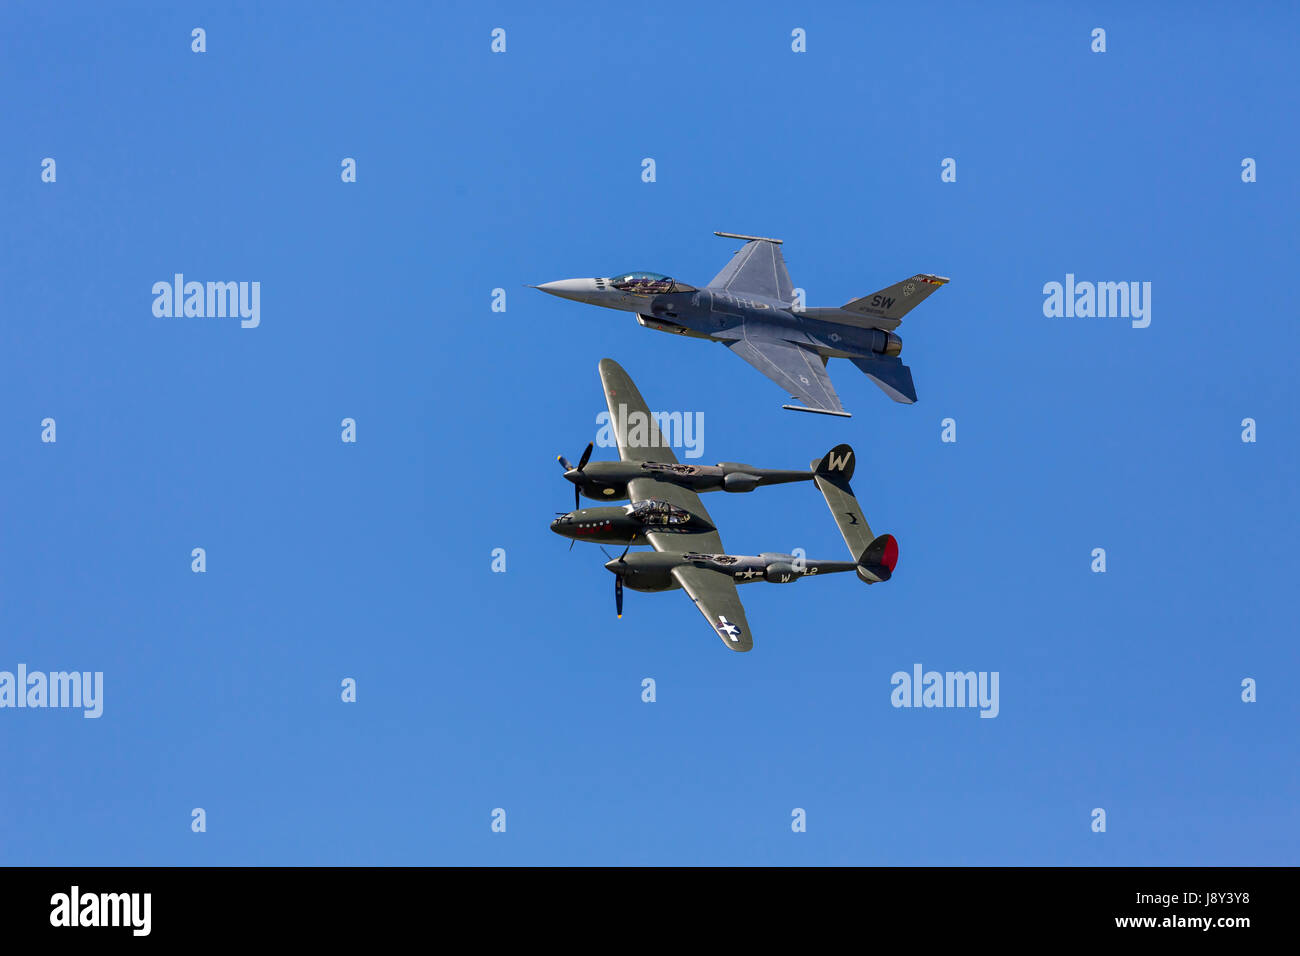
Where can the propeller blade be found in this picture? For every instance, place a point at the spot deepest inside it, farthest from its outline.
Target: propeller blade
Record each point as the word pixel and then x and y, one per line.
pixel 586 456
pixel 564 462
pixel 618 594
pixel 577 498
pixel 625 551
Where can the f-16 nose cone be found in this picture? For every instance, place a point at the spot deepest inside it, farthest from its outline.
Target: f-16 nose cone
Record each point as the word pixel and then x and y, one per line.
pixel 569 288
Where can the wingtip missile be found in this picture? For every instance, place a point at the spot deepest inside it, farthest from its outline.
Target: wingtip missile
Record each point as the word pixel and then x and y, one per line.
pixel 736 235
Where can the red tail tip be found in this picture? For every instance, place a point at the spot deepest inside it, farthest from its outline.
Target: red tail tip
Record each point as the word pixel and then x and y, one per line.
pixel 889 558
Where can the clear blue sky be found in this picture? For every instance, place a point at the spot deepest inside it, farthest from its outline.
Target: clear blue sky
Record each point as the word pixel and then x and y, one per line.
pixel 520 690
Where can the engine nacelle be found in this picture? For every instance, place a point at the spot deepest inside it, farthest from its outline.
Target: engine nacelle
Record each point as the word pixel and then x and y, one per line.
pixel 739 481
pixel 780 572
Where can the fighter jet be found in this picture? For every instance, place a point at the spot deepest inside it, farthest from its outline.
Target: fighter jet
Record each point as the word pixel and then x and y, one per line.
pixel 750 307
pixel 688 552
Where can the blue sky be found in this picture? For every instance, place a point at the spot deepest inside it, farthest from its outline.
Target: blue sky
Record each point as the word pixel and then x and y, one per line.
pixel 520 690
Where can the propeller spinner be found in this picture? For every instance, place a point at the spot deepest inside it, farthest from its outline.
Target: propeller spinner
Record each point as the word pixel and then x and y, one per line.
pixel 577 480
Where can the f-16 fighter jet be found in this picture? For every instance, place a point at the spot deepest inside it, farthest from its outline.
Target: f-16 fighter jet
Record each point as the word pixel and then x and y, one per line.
pixel 750 307
pixel 688 551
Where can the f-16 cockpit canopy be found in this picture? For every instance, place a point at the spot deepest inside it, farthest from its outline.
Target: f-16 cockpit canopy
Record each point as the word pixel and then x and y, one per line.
pixel 648 283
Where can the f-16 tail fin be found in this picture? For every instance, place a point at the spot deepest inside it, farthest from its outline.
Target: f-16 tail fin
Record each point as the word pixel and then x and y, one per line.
pixel 899 299
pixel 878 561
pixel 893 377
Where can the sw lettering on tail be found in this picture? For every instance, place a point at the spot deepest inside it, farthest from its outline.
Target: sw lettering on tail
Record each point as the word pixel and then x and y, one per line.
pixel 894 302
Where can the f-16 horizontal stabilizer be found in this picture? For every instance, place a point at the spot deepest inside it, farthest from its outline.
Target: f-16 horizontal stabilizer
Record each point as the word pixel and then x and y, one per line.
pixel 893 377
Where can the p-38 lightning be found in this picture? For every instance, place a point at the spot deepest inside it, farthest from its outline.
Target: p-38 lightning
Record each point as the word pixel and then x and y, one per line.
pixel 608 480
pixel 688 552
pixel 750 307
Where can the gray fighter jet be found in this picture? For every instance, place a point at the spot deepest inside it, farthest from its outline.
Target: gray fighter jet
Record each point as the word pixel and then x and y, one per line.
pixel 750 307
pixel 688 553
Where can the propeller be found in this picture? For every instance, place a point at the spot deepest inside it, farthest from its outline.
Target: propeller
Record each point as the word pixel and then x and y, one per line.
pixel 618 580
pixel 582 463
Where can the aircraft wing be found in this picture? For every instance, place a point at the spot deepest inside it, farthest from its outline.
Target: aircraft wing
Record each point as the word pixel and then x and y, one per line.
pixel 630 419
pixel 714 593
pixel 757 268
pixel 799 371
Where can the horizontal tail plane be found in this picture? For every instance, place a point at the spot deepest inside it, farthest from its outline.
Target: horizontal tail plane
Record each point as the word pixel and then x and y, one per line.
pixel 893 377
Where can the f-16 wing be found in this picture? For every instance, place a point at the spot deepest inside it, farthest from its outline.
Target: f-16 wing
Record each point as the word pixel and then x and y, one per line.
pixel 757 268
pixel 714 593
pixel 800 371
pixel 634 427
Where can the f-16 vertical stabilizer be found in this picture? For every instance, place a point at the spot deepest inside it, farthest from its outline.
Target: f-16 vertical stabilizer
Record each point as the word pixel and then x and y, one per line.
pixel 893 303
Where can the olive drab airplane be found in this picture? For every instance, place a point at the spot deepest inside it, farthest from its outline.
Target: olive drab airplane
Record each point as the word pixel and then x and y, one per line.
pixel 666 513
pixel 750 307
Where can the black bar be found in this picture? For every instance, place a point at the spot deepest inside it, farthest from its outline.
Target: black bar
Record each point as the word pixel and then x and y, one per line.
pixel 333 905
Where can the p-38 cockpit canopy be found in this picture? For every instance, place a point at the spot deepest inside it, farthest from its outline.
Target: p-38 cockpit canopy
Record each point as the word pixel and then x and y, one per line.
pixel 656 511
